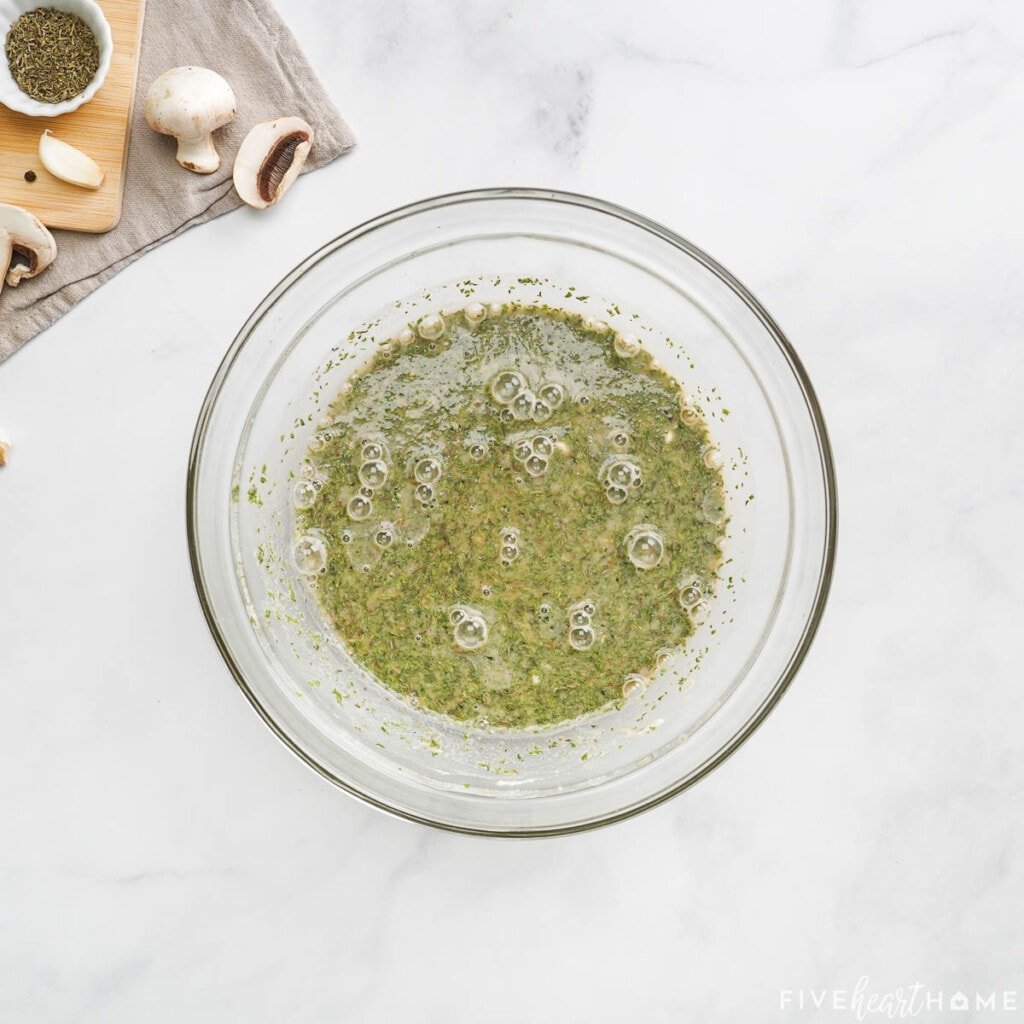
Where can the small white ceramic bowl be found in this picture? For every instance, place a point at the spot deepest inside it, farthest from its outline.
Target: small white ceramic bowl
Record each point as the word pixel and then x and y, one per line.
pixel 89 11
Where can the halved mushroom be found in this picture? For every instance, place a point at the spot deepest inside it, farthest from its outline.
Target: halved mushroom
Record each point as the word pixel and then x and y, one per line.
pixel 270 159
pixel 191 103
pixel 26 247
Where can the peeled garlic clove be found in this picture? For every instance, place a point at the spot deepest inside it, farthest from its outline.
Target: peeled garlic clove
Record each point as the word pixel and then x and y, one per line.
pixel 270 159
pixel 67 163
pixel 5 447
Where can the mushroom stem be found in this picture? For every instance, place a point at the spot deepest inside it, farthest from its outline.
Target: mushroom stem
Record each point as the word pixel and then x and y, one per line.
pixel 199 155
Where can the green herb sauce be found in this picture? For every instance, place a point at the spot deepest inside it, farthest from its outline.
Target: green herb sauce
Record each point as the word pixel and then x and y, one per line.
pixel 485 572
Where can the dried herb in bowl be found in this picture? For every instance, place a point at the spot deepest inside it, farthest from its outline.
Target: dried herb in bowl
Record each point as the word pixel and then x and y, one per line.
pixel 53 55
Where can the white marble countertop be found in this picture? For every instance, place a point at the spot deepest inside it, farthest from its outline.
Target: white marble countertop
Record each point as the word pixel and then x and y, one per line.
pixel 859 166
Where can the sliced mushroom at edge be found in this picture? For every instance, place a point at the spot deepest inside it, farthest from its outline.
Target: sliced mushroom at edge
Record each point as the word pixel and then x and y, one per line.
pixel 22 234
pixel 270 159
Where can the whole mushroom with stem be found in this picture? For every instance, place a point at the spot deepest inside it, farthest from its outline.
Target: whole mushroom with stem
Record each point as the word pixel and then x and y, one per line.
pixel 26 247
pixel 191 103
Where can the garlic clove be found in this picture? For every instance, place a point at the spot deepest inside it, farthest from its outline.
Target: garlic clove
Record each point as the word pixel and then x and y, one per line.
pixel 270 159
pixel 5 447
pixel 67 163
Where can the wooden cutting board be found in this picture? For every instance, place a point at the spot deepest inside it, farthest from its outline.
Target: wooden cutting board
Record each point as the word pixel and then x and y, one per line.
pixel 100 128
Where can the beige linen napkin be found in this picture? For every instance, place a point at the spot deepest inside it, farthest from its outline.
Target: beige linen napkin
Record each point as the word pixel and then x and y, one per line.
pixel 246 42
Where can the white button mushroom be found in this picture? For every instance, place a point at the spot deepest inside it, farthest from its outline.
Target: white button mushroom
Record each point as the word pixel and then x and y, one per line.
pixel 190 104
pixel 26 247
pixel 270 159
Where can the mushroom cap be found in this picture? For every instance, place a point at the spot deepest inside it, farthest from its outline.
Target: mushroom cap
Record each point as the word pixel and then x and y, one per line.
pixel 23 234
pixel 189 102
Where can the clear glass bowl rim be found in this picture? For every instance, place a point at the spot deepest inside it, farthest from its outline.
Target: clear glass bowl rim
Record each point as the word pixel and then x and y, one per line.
pixel 638 220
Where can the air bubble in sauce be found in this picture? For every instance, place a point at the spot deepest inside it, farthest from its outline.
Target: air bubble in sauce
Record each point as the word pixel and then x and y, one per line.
pixel 506 386
pixel 645 546
pixel 309 554
pixel 431 327
pixel 359 506
pixel 304 494
pixel 470 632
pixel 427 471
pixel 373 473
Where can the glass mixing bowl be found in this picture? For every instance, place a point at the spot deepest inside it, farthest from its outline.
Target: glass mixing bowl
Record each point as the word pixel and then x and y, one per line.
pixel 324 320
